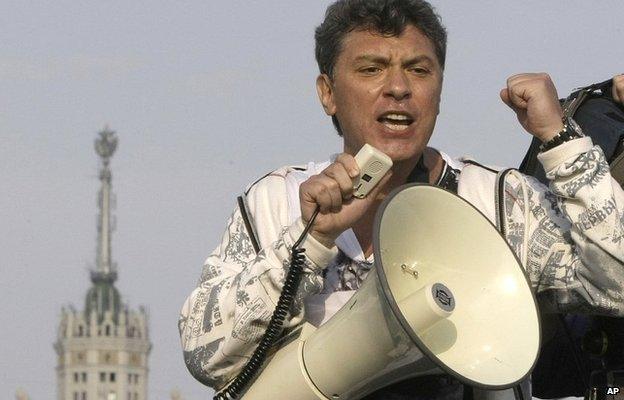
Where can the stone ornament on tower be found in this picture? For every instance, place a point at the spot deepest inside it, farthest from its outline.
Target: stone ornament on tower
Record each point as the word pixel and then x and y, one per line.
pixel 106 144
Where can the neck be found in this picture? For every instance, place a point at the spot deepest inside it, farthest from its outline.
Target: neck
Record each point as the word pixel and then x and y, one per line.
pixel 401 170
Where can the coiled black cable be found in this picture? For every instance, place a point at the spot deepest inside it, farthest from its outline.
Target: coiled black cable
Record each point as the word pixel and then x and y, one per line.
pixel 274 329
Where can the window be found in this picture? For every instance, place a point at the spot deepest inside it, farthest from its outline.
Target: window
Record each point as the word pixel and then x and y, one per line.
pixel 75 376
pixel 76 396
pixel 108 330
pixel 136 378
pixel 129 381
pixel 135 359
pixel 84 376
pixel 112 377
pixel 102 376
pixel 80 330
pixel 84 396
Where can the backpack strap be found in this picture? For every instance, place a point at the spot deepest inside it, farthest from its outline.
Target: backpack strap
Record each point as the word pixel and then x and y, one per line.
pixel 246 215
pixel 251 229
pixel 499 199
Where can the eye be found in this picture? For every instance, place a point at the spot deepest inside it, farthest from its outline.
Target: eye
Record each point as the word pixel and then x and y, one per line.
pixel 370 70
pixel 419 70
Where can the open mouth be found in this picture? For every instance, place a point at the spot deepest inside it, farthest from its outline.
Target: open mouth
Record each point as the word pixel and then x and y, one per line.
pixel 396 121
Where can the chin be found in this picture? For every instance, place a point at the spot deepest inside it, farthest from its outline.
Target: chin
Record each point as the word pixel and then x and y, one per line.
pixel 400 152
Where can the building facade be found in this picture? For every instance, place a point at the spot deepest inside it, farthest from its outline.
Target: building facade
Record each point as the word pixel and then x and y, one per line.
pixel 103 349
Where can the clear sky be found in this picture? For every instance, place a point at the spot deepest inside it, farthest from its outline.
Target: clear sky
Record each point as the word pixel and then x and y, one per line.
pixel 205 97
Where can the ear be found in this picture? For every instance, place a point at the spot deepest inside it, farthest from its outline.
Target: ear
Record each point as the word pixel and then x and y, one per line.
pixel 325 90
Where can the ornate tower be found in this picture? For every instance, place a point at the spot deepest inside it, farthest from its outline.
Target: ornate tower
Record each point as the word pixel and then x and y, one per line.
pixel 103 350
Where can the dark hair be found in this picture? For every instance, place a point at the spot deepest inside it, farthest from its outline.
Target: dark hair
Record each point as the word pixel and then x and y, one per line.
pixel 387 17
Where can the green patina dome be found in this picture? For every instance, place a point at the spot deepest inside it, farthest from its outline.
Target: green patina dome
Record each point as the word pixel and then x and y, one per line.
pixel 103 296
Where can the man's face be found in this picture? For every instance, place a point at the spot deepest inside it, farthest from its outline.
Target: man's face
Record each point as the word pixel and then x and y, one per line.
pixel 385 92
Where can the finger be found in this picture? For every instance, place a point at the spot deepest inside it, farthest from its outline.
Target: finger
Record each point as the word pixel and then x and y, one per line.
pixel 322 197
pixel 512 87
pixel 372 195
pixel 528 77
pixel 313 194
pixel 335 195
pixel 337 172
pixel 517 93
pixel 505 95
pixel 517 78
pixel 350 165
pixel 331 194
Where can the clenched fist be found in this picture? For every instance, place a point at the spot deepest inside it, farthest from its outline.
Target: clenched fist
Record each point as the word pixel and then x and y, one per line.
pixel 534 99
pixel 332 191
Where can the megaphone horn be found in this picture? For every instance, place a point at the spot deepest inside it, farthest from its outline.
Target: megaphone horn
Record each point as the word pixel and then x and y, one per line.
pixel 447 295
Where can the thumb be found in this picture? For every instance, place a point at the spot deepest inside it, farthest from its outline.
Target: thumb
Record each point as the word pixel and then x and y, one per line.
pixel 373 194
pixel 513 101
pixel 504 95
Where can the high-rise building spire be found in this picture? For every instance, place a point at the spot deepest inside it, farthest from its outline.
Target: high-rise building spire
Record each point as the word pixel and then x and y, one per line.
pixel 103 350
pixel 103 295
pixel 105 146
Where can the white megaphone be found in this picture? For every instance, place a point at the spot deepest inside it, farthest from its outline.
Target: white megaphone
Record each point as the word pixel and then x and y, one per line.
pixel 447 295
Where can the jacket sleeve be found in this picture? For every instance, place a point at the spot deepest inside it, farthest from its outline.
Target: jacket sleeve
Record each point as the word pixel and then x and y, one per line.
pixel 223 319
pixel 574 231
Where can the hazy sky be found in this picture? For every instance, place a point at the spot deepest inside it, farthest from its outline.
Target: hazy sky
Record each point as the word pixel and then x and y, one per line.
pixel 206 96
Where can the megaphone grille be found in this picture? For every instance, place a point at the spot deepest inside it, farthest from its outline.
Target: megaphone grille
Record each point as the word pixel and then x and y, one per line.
pixel 425 235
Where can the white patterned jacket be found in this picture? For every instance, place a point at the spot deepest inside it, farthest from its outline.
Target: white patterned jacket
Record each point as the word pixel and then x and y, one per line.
pixel 571 243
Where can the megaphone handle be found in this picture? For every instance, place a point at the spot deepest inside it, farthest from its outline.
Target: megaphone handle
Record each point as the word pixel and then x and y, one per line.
pixel 274 329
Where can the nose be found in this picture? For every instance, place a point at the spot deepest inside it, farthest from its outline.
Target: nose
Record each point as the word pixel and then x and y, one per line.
pixel 397 85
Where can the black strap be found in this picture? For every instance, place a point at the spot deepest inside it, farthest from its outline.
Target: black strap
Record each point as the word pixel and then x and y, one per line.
pixel 267 174
pixel 448 178
pixel 473 162
pixel 420 173
pixel 242 206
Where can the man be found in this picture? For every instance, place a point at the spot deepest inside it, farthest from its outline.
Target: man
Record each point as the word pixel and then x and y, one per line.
pixel 381 65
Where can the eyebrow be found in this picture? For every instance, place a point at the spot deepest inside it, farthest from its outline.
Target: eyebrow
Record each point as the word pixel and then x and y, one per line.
pixel 383 60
